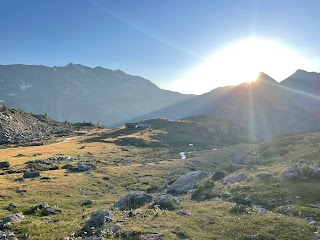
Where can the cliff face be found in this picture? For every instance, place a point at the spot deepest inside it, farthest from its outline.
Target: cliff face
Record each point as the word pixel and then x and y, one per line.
pixel 18 127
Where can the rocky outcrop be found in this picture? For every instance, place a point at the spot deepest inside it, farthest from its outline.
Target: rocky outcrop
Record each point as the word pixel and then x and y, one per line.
pixel 244 159
pixel 166 201
pixel 18 127
pixel 186 182
pixel 97 219
pixel 302 171
pixel 12 219
pixel 237 177
pixel 31 174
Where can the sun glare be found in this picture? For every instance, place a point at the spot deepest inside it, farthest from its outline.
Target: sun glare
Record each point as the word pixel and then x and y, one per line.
pixel 241 62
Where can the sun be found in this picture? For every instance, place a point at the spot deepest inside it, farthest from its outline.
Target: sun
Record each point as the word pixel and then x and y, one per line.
pixel 242 61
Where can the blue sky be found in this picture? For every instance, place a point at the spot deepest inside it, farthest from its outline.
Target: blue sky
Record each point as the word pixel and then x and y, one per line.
pixel 159 40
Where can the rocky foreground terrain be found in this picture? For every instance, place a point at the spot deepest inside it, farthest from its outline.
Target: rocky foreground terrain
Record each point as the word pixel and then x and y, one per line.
pixel 136 184
pixel 18 127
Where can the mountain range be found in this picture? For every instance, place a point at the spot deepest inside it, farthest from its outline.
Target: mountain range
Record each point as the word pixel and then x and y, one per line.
pixel 79 93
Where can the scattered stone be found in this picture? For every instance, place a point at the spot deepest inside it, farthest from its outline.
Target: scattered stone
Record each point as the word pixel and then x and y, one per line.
pixel 166 201
pixel 260 209
pixel 11 236
pixel 45 178
pixel 314 223
pixel 11 206
pixel 40 206
pixel 244 159
pixel 292 172
pixel 155 236
pixel 131 214
pixel 3 235
pixel 237 177
pixel 26 236
pixel 94 238
pixel 51 211
pixel 31 174
pixel 20 155
pixel 97 219
pixel 83 167
pixel 186 182
pixel 4 165
pixel 133 200
pixel 87 203
pixel 55 167
pixel 82 147
pixel 183 213
pixel 116 227
pixel 12 219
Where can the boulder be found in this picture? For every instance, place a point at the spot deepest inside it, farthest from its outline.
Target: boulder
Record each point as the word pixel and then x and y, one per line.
pixel 12 219
pixel 3 235
pixel 40 206
pixel 166 201
pixel 133 200
pixel 81 167
pixel 11 236
pixel 244 159
pixel 186 182
pixel 11 206
pixel 183 213
pixel 31 174
pixel 237 177
pixel 87 203
pixel 51 211
pixel 4 165
pixel 154 236
pixel 292 172
pixel 314 171
pixel 97 219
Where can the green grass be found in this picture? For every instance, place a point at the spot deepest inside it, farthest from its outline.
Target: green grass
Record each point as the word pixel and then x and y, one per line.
pixel 119 171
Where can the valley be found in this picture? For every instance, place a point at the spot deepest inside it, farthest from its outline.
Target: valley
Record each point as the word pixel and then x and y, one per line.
pixel 246 192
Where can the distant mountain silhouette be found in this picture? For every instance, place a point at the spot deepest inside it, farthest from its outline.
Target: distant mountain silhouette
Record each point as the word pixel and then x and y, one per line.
pixel 78 93
pixel 263 106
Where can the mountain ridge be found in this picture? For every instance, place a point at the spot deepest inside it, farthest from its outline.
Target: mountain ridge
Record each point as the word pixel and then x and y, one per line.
pixel 111 97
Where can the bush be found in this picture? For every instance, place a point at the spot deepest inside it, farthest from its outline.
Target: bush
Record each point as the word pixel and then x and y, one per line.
pixel 205 191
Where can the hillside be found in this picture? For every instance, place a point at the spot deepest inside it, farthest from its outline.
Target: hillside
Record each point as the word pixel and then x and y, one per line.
pixel 203 132
pixel 77 93
pixel 263 106
pixel 18 127
pixel 103 186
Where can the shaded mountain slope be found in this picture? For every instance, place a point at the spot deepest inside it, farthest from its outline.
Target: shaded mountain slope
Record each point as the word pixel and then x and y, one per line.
pixel 263 107
pixel 78 93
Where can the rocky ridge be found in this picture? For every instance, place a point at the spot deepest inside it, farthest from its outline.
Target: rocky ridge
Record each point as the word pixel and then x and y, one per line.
pixel 18 127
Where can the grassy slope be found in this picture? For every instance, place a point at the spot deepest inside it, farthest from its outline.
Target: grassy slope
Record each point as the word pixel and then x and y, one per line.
pixel 141 168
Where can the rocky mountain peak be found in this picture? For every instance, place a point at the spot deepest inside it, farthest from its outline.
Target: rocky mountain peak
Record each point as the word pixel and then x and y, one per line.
pixel 302 74
pixel 263 77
